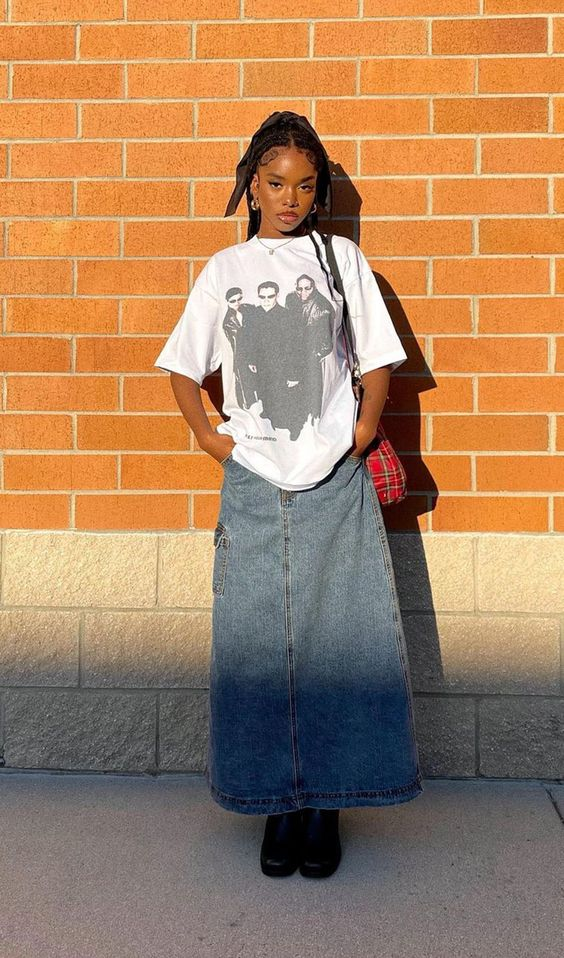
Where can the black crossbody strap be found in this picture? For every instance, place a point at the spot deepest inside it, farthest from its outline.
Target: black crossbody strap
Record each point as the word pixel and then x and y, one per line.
pixel 332 260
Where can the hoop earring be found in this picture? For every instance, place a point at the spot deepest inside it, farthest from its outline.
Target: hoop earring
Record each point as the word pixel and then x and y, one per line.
pixel 313 209
pixel 254 204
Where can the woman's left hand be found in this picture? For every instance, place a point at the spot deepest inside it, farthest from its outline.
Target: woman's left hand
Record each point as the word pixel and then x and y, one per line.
pixel 374 392
pixel 362 439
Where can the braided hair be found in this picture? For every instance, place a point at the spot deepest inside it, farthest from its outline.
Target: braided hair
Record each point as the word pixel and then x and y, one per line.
pixel 287 132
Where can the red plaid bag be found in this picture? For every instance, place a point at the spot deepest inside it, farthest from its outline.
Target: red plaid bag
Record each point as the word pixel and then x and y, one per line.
pixel 388 474
pixel 386 470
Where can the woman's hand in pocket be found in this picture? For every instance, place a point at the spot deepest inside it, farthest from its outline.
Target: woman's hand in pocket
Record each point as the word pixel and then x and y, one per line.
pixel 362 439
pixel 219 446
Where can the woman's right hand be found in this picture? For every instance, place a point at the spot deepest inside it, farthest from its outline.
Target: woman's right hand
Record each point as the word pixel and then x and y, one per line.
pixel 219 446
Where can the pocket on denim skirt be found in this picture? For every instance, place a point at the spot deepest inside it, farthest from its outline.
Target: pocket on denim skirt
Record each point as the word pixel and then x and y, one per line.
pixel 221 542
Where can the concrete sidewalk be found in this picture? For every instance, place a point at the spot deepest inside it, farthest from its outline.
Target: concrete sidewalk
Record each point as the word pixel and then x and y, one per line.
pixel 105 866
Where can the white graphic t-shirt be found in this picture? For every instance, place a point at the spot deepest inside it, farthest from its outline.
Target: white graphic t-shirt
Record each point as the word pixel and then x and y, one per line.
pixel 273 322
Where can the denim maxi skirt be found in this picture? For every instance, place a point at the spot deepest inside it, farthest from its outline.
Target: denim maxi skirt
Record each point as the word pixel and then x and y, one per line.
pixel 310 698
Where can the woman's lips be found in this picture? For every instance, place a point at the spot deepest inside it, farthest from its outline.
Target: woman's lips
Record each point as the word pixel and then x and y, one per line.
pixel 288 216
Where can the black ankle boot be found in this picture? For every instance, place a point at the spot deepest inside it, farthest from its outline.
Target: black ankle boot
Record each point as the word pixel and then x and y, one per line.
pixel 280 851
pixel 321 847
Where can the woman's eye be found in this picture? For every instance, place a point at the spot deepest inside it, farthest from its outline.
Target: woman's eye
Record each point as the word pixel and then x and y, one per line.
pixel 305 187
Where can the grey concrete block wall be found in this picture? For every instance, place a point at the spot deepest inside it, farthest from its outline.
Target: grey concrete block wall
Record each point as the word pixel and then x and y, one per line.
pixel 105 641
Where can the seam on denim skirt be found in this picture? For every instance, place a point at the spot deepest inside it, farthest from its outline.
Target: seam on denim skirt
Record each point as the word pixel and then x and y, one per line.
pixel 289 641
pixel 416 783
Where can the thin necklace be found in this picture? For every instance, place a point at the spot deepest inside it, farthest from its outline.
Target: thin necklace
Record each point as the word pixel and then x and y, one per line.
pixel 272 249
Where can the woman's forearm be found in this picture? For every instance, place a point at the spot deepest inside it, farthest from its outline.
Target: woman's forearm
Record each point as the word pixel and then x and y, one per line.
pixel 189 399
pixel 375 386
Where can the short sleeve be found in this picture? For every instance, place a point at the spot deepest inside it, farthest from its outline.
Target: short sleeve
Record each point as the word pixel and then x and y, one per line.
pixel 192 347
pixel 374 336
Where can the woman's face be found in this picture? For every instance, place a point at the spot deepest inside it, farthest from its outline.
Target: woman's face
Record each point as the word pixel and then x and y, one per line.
pixel 284 188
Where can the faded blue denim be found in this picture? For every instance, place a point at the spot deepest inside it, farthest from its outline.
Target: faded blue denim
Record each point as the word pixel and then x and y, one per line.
pixel 310 694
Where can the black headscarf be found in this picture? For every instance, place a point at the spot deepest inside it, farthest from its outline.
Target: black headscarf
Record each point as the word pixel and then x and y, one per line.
pixel 323 192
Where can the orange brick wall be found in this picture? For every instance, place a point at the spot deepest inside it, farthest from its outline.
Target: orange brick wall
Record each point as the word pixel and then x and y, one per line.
pixel 119 139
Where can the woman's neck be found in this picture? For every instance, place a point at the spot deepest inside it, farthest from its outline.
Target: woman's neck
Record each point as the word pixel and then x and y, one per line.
pixel 276 235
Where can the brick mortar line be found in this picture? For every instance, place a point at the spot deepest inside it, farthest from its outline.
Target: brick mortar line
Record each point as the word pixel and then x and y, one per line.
pixel 475 577
pixel 183 774
pixel 191 612
pixel 83 611
pixel 360 58
pixel 552 261
pixel 147 691
pixel 191 36
pixel 254 99
pixel 157 742
pixel 157 100
pixel 178 772
pixel 480 536
pixel 547 15
pixel 80 639
pixel 429 136
pixel 473 473
pixel 474 221
pixel 555 617
pixel 497 453
pixel 144 692
pixel 2 729
pixel 73 494
pixel 426 374
pixel 146 218
pixel 158 570
pixel 74 196
pixel 477 736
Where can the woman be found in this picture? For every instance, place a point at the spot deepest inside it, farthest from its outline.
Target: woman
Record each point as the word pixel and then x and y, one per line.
pixel 310 696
